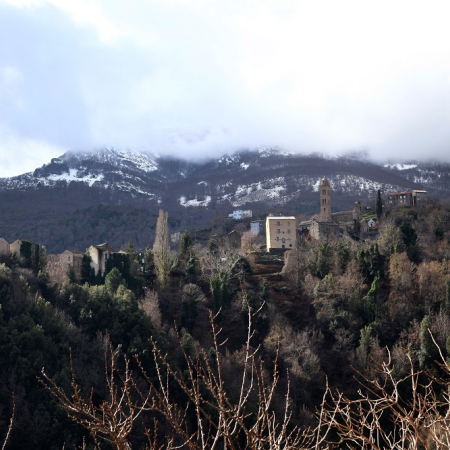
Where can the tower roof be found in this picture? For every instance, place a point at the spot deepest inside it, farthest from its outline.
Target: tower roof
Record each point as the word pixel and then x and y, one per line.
pixel 324 182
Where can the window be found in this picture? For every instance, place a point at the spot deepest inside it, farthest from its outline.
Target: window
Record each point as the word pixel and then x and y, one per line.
pixel 278 231
pixel 289 231
pixel 283 240
pixel 278 224
pixel 278 238
pixel 288 224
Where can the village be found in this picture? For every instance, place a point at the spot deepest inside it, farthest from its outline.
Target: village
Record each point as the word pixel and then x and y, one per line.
pixel 275 234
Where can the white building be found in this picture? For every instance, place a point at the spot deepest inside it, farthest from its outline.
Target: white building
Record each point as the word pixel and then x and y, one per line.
pixel 240 214
pixel 257 226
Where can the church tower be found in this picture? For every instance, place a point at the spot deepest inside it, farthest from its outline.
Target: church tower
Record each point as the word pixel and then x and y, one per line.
pixel 325 200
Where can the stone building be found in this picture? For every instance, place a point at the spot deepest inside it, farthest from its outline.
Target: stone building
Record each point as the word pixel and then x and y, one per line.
pixel 4 247
pixel 328 225
pixel 100 255
pixel 58 266
pixel 74 259
pixel 280 232
pixel 230 241
pixel 323 225
pixel 25 251
pixel 407 198
pixel 325 200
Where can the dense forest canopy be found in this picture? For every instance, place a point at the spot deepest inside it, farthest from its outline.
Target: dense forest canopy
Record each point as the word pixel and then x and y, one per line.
pixel 320 314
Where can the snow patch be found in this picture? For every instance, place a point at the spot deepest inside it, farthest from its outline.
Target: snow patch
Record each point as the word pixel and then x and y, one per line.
pixel 401 166
pixel 73 176
pixel 194 202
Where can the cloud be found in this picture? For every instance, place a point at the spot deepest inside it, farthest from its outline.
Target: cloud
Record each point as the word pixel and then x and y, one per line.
pixel 197 77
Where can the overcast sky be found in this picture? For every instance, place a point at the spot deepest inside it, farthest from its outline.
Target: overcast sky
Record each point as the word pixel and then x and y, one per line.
pixel 203 77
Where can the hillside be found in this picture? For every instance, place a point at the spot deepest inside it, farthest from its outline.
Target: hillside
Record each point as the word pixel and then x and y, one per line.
pixel 80 198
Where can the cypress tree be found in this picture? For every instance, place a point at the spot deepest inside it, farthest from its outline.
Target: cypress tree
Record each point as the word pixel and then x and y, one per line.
pixel 379 205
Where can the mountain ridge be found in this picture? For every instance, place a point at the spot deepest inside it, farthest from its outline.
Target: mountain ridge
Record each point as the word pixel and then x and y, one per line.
pixel 72 201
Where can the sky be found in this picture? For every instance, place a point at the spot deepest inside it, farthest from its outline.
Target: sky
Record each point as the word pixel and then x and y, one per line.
pixel 200 78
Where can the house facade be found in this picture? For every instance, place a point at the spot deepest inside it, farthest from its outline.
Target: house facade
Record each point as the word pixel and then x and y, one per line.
pixel 100 255
pixel 280 232
pixel 257 226
pixel 27 251
pixel 74 259
pixel 4 247
pixel 408 198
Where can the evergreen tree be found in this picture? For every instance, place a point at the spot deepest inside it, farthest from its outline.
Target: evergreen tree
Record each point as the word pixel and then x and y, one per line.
pixel 131 251
pixel 113 280
pixel 379 205
pixel 149 267
pixel 71 274
pixel 428 351
pixel 212 247
pixel 185 245
pixel 87 275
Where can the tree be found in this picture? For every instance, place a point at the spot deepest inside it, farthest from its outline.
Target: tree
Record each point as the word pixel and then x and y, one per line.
pixel 379 205
pixel 428 351
pixel 161 249
pixel 149 267
pixel 185 245
pixel 113 280
pixel 131 251
pixel 208 416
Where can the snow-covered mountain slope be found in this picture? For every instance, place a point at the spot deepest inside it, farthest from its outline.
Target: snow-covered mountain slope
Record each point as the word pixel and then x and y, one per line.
pixel 268 176
pixel 111 195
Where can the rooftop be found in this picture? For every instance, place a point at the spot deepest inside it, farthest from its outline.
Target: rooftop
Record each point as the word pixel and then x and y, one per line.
pixel 280 217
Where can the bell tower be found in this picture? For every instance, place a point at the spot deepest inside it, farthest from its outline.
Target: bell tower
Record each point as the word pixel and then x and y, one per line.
pixel 325 200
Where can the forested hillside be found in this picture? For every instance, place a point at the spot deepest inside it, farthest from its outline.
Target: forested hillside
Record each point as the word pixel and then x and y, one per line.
pixel 320 314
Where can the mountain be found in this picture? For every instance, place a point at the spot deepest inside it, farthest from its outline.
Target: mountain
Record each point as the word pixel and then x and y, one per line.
pixel 110 195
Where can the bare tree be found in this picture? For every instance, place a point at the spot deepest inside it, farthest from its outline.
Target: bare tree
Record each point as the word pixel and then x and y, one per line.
pixel 150 305
pixel 383 417
pixel 161 249
pixel 209 418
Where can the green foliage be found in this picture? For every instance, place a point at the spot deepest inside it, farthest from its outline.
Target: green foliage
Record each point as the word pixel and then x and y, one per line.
pixel 87 275
pixel 372 263
pixel 185 245
pixel 366 339
pixel 189 308
pixel 342 255
pixel 219 290
pixel 131 251
pixel 149 267
pixel 321 262
pixel 379 205
pixel 409 235
pixel 29 252
pixel 5 283
pixel 43 260
pixel 113 280
pixel 121 262
pixel 428 351
pixel 447 295
pixel 212 247
pixel 371 308
pixel 71 274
